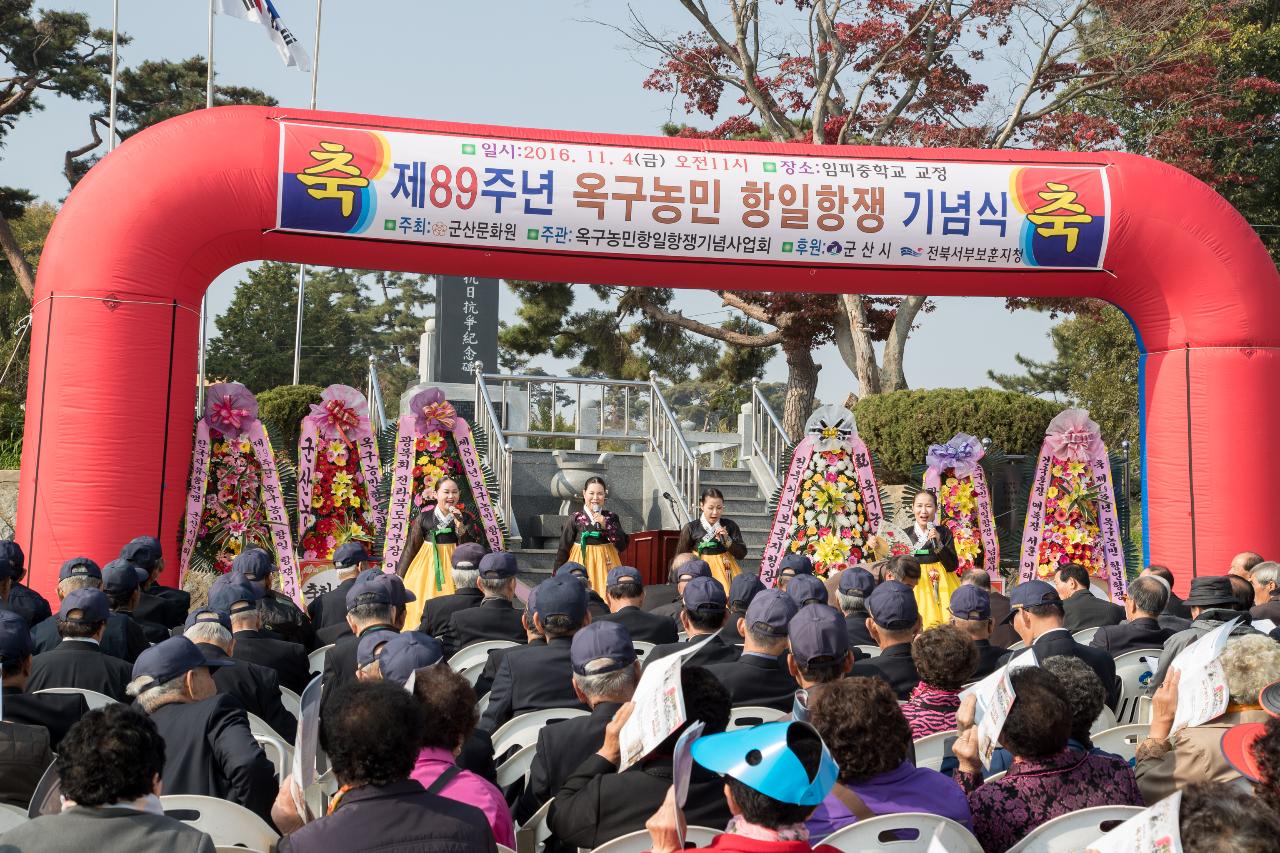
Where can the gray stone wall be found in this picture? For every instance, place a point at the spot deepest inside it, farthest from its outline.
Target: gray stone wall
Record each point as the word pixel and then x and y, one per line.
pixel 8 503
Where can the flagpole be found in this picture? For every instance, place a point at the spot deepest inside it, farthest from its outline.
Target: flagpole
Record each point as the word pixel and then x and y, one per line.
pixel 204 302
pixel 111 118
pixel 302 268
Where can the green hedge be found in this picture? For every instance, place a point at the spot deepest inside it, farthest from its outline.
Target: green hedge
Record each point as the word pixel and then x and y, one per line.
pixel 899 427
pixel 283 408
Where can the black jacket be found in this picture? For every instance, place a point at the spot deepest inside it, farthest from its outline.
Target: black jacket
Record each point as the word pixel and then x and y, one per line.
pixel 210 751
pixel 154 632
pixel 988 659
pixel 691 537
pixel 491 619
pixel 256 687
pixel 1175 607
pixel 561 748
pixel 1144 633
pixel 659 595
pixel 645 627
pixel 330 608
pixel 756 680
pixel 122 638
pixel 485 682
pixel 856 623
pixel 944 551
pixel 24 756
pixel 597 804
pixel 895 663
pixel 715 651
pixel 165 612
pixel 1086 610
pixel 340 662
pixel 57 712
pixel 437 612
pixel 289 660
pixel 332 633
pixel 1059 642
pixel 77 663
pixel 531 678
pixel 28 604
pixel 729 633
pixel 397 818
pixel 281 615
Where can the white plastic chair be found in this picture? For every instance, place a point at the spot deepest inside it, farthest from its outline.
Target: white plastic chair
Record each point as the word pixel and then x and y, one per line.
pixel 869 651
pixel 1074 831
pixel 315 660
pixel 482 704
pixel 533 835
pixel 235 848
pixel 91 697
pixel 279 753
pixel 1106 720
pixel 11 816
pixel 476 653
pixel 260 727
pixel 225 822
pixel 1135 680
pixel 643 648
pixel 517 766
pixel 1084 636
pixel 747 716
pixel 523 730
pixel 1121 740
pixel 1018 646
pixel 639 842
pixel 291 701
pixel 932 750
pixel 884 833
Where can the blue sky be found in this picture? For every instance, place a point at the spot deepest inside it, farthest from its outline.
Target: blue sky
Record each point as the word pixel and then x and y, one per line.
pixel 513 62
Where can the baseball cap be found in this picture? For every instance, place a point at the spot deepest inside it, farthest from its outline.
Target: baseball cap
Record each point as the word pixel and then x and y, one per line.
pixel 562 595
pixel 1206 592
pixel 893 606
pixel 1034 593
pixel 252 564
pixel 600 641
pixel 11 559
pixel 79 567
pixel 230 591
pixel 122 576
pixel 381 588
pixel 466 557
pixel 15 638
pixel 170 659
pixel 85 606
pixel 577 570
pixel 763 759
pixel 970 602
pixel 693 569
pixel 405 654
pixel 806 589
pixel 856 579
pixel 743 589
pixel 498 565
pixel 207 614
pixel 771 612
pixel 796 564
pixel 704 594
pixel 143 551
pixel 350 554
pixel 624 574
pixel 817 631
pixel 370 643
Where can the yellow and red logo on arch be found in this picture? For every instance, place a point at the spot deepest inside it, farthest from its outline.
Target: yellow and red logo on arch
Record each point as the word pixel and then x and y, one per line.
pixel 1065 214
pixel 327 176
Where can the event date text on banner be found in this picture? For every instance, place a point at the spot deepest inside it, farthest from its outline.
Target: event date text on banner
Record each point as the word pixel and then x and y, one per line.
pixel 615 200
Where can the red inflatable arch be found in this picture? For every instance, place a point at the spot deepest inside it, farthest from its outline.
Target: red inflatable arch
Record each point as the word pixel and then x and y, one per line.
pixel 115 332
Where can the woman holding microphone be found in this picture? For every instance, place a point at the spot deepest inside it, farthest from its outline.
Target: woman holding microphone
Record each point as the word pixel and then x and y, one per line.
pixel 426 564
pixel 593 536
pixel 714 538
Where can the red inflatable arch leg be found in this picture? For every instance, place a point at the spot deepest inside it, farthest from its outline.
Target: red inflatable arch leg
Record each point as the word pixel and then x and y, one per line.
pixel 109 408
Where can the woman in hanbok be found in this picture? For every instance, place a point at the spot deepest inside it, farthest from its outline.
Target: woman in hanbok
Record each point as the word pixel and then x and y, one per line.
pixel 426 564
pixel 935 549
pixel 593 536
pixel 714 538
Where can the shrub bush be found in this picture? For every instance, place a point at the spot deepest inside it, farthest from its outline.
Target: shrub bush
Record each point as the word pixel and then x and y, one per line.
pixel 283 408
pixel 899 427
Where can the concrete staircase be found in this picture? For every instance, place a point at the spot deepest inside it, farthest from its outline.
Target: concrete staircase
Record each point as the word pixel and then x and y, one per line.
pixel 744 503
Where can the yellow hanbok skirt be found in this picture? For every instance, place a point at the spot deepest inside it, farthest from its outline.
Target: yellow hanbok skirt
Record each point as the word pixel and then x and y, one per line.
pixel 723 568
pixel 598 559
pixel 933 597
pixel 425 582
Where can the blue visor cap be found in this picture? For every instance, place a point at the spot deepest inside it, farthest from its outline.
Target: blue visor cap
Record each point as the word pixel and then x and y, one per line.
pixel 762 759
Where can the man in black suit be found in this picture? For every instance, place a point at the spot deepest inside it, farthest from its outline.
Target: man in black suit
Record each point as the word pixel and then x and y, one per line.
pixel 596 606
pixel 702 617
pixel 495 618
pixel 280 614
pixel 742 591
pixel 605 674
pixel 239 600
pixel 1175 609
pixel 855 584
pixel 57 712
pixel 256 687
pixel 123 638
pixel 818 652
pixel 685 571
pixel 665 594
pixel 893 624
pixel 759 676
pixel 531 678
pixel 376 602
pixel 1083 608
pixel 1038 617
pixel 793 564
pixel 122 582
pixel 328 612
pixel 78 661
pixel 1002 636
pixel 532 637
pixel 1143 606
pixel 970 609
pixel 624 592
pixel 24 757
pixel 209 748
pixel 160 604
pixel 808 589
pixel 16 596
pixel 437 612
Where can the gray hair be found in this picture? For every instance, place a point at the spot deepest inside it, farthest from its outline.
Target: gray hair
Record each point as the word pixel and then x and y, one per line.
pixel 252 619
pixel 465 578
pixel 151 697
pixel 1149 594
pixel 851 601
pixel 1250 662
pixel 66 586
pixel 494 587
pixel 1265 573
pixel 1217 817
pixel 618 684
pixel 209 632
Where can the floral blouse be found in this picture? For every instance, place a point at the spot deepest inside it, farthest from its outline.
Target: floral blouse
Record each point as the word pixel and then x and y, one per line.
pixel 931 710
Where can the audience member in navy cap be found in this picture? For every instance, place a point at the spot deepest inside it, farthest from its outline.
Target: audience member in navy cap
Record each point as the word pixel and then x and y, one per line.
pixel 159 604
pixel 807 589
pixel 705 607
pixel 78 661
pixel 971 612
pixel 894 623
pixel 123 638
pixel 256 687
pixel 742 589
pixel 793 564
pixel 854 586
pixel 375 602
pixel 759 677
pixel 279 612
pixel 596 605
pixel 328 612
pixel 122 582
pixel 495 617
pixel 209 749
pixel 818 646
pixel 624 593
pixel 57 712
pixel 15 595
pixel 464 570
pixel 535 677
pixel 684 568
pixel 406 653
pixel 241 600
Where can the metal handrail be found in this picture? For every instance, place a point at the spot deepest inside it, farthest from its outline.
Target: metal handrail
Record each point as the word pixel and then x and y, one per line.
pixel 666 437
pixel 769 440
pixel 498 455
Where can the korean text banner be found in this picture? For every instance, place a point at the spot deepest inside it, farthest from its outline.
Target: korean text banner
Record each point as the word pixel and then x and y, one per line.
pixel 609 200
